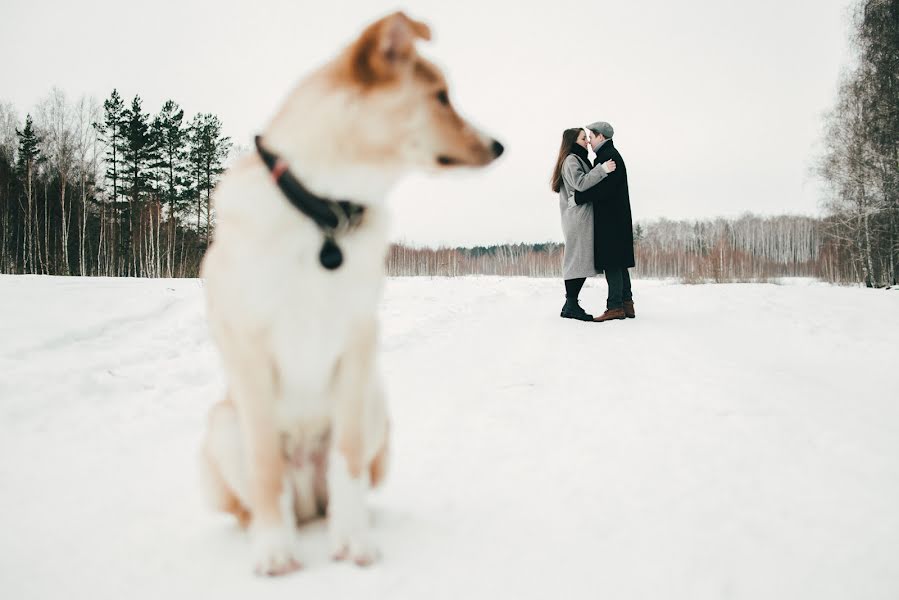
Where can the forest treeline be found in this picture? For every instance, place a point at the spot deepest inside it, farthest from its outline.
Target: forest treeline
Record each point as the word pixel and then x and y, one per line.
pixel 90 188
pixel 748 248
pixel 107 189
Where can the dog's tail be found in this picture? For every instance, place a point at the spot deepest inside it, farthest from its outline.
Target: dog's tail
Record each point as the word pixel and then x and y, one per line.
pixel 221 466
pixel 378 467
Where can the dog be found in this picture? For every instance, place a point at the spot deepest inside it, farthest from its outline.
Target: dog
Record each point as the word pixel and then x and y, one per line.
pixel 303 428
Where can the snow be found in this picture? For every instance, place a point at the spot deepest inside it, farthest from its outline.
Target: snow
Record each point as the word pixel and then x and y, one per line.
pixel 734 441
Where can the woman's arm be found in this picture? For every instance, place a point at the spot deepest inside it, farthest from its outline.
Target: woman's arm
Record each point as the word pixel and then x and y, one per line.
pixel 579 180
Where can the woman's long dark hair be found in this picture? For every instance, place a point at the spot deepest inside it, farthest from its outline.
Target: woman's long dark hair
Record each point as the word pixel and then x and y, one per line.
pixel 569 137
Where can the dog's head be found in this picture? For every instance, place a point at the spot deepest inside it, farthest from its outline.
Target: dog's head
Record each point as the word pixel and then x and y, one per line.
pixel 399 108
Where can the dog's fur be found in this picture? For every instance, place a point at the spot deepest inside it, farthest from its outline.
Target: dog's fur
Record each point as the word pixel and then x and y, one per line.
pixel 303 428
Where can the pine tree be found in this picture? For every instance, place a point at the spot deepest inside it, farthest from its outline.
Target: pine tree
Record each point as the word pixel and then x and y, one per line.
pixel 170 136
pixel 138 158
pixel 110 134
pixel 208 151
pixel 26 167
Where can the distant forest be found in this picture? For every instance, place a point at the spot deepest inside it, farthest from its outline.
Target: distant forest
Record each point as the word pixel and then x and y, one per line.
pixel 112 190
pixel 749 248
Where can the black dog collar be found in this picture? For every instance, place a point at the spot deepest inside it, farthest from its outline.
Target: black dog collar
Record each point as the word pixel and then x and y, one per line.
pixel 329 215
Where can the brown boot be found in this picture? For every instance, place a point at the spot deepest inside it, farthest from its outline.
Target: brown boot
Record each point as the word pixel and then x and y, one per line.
pixel 629 309
pixel 611 315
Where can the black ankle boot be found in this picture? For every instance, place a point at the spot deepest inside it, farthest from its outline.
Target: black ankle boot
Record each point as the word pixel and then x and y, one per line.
pixel 573 310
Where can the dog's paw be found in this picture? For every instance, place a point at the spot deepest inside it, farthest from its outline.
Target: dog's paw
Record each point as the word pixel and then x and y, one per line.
pixel 275 552
pixel 361 553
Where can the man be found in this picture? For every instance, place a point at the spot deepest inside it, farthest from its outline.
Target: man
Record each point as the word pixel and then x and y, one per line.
pixel 613 230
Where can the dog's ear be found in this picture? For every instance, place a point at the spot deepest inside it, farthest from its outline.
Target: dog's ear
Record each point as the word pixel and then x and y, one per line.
pixel 386 48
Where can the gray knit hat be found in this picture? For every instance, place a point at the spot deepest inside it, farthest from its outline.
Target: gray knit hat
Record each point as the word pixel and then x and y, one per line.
pixel 601 127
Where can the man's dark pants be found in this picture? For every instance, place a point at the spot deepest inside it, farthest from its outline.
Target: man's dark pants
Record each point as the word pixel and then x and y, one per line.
pixel 619 281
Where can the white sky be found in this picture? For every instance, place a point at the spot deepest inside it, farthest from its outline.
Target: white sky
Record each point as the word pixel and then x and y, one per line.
pixel 716 104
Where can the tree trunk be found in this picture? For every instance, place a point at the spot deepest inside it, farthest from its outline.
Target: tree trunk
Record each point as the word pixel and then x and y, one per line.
pixel 45 257
pixel 64 219
pixel 101 258
pixel 83 237
pixel 26 239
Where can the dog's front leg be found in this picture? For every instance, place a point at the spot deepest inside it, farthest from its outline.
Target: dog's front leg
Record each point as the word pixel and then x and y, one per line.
pixel 355 425
pixel 271 497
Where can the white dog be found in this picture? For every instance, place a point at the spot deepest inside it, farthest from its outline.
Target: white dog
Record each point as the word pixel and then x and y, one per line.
pixel 293 280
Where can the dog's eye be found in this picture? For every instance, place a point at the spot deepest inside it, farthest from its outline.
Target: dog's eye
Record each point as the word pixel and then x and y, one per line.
pixel 443 98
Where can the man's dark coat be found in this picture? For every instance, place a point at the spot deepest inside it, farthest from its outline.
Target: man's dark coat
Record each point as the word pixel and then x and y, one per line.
pixel 613 229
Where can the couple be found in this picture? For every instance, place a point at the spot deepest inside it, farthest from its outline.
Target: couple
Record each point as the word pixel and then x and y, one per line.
pixel 596 220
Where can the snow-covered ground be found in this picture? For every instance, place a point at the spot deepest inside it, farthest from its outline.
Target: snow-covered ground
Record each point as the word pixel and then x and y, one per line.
pixel 734 441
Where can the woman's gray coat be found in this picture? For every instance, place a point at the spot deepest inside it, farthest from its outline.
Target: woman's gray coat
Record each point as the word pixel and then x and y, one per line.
pixel 577 221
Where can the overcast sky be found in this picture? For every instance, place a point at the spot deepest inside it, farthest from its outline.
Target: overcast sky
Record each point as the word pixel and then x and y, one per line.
pixel 716 104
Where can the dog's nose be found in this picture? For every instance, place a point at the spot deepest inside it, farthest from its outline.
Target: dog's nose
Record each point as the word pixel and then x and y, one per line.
pixel 497 148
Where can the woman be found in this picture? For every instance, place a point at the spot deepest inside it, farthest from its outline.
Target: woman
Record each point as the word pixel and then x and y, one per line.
pixel 571 174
